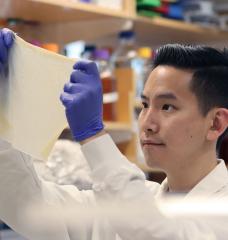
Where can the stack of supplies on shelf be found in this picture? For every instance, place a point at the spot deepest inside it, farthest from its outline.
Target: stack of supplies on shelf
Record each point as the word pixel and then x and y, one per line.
pixel 208 13
pixel 222 11
pixel 147 7
pixel 201 12
pixel 165 8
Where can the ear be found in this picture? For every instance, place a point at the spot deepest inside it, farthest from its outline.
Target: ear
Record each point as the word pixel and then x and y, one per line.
pixel 219 123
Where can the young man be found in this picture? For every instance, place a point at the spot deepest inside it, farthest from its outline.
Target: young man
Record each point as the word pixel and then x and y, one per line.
pixel 184 113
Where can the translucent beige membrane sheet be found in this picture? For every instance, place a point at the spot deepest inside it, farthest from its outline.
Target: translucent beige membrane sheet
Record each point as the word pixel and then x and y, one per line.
pixel 31 114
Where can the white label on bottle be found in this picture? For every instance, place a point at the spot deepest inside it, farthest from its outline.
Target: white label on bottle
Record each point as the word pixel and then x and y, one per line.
pixel 110 97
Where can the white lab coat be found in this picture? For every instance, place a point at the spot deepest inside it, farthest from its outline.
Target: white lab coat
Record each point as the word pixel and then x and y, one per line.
pixel 114 178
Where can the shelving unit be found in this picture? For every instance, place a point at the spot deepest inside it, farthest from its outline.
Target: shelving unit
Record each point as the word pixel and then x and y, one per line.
pixel 63 21
pixel 55 11
pixel 154 31
pixel 161 31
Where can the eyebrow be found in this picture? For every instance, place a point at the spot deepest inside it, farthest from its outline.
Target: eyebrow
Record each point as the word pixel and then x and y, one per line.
pixel 167 95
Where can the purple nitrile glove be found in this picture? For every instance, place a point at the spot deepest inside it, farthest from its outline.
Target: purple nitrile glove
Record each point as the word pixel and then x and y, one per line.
pixel 82 98
pixel 6 41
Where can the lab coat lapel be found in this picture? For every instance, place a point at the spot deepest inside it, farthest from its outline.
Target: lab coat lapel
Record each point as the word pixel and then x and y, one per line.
pixel 213 183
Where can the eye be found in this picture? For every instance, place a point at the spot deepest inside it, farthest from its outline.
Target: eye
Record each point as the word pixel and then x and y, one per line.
pixel 168 107
pixel 145 105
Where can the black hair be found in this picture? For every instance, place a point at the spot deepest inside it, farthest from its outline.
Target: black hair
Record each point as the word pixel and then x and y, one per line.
pixel 210 72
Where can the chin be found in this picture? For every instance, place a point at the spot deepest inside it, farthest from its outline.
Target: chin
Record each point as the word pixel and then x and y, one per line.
pixel 152 163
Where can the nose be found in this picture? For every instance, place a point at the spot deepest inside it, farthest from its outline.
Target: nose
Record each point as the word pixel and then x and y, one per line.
pixel 148 122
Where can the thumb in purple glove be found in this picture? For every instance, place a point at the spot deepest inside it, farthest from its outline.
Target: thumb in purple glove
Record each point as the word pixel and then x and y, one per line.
pixel 82 98
pixel 6 41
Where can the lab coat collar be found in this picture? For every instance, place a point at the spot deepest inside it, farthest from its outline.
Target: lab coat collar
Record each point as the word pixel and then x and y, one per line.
pixel 213 183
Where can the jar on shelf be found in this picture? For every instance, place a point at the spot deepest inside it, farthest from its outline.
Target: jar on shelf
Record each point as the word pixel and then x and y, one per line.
pixel 110 95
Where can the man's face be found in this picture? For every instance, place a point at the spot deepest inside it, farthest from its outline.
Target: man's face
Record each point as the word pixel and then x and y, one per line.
pixel 172 128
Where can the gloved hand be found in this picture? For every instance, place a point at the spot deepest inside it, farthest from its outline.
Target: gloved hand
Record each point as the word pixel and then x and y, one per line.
pixel 6 41
pixel 82 98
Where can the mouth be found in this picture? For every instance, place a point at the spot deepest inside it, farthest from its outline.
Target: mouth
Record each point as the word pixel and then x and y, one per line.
pixel 145 143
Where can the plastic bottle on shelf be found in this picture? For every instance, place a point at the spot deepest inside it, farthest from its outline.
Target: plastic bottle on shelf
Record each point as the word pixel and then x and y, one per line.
pixel 125 51
pixel 142 67
pixel 88 53
pixel 110 95
pixel 74 49
pixel 53 47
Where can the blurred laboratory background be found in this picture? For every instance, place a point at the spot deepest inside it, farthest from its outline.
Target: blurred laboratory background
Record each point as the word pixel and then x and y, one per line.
pixel 121 36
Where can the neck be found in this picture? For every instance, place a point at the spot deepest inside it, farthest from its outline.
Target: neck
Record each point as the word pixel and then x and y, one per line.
pixel 185 177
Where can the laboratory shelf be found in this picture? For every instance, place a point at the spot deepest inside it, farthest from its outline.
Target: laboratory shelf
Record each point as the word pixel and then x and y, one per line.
pixel 53 11
pixel 161 31
pixel 149 30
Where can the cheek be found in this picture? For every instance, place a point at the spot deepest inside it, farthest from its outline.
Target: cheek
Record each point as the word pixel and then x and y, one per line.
pixel 185 133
